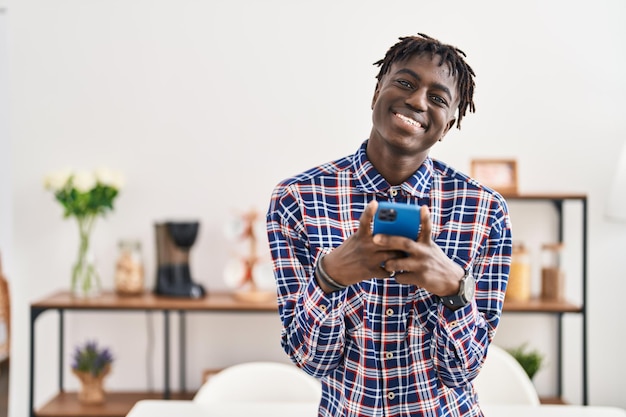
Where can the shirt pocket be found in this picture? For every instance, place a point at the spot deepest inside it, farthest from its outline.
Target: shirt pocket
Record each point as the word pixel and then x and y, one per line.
pixel 423 317
pixel 354 313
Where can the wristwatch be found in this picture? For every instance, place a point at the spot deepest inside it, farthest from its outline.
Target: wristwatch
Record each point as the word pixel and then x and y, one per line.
pixel 465 294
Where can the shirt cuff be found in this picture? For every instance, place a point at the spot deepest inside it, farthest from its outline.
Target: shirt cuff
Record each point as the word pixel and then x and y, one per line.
pixel 323 308
pixel 458 322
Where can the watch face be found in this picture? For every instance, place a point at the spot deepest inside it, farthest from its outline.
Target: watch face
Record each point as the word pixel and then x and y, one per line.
pixel 469 287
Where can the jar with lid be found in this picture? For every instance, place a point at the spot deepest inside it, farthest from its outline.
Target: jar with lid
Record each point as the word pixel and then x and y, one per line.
pixel 552 275
pixel 518 287
pixel 129 272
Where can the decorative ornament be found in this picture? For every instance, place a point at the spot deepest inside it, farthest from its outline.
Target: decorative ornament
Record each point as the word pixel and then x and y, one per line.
pixel 244 272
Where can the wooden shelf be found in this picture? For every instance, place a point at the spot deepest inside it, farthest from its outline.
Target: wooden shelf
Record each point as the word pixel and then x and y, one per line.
pixel 66 404
pixel 116 404
pixel 552 400
pixel 559 308
pixel 538 305
pixel 109 300
pixel 546 196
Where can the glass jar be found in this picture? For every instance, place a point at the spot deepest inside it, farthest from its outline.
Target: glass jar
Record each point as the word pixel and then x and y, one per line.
pixel 518 287
pixel 129 273
pixel 552 276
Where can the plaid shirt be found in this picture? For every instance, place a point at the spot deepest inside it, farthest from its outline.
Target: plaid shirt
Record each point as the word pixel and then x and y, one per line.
pixel 381 348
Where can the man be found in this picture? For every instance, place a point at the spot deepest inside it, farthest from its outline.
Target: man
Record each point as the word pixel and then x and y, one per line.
pixel 393 326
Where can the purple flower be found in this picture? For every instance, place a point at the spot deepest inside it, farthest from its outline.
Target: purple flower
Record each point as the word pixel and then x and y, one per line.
pixel 89 358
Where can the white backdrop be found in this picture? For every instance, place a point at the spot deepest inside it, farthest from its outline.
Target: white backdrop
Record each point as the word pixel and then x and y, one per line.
pixel 205 105
pixel 5 147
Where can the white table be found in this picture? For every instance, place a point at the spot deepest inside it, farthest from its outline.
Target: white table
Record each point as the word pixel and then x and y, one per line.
pixel 161 408
pixel 178 408
pixel 551 411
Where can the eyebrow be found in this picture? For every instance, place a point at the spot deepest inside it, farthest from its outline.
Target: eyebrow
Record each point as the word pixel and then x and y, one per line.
pixel 436 85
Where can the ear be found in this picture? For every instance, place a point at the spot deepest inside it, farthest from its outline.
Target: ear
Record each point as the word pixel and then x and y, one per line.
pixel 451 123
pixel 376 91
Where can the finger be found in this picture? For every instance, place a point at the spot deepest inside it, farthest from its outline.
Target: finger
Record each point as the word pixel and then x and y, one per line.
pixel 365 222
pixel 427 226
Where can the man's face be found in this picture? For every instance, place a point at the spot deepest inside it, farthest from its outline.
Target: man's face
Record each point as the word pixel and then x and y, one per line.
pixel 414 104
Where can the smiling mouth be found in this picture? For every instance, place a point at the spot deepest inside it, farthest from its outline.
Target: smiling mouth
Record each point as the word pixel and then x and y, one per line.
pixel 408 120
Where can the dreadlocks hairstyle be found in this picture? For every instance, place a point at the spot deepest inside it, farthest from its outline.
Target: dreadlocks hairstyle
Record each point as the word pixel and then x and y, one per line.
pixel 451 55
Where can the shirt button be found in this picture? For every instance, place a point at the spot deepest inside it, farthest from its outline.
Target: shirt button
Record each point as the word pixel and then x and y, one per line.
pixel 389 355
pixel 393 192
pixel 323 307
pixel 391 395
pixel 454 323
pixel 389 311
pixel 339 304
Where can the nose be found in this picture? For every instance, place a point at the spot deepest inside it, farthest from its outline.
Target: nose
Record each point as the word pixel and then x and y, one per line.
pixel 418 99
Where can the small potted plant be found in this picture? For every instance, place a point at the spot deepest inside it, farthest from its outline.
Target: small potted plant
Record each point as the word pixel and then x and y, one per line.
pixel 91 364
pixel 531 360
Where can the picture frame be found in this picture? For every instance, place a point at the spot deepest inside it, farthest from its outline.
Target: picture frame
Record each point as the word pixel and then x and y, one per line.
pixel 499 174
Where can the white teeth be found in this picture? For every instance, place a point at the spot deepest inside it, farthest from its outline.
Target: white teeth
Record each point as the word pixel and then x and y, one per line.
pixel 409 120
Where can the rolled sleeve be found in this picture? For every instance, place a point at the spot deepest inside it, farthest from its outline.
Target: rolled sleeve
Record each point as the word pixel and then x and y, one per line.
pixel 462 335
pixel 316 339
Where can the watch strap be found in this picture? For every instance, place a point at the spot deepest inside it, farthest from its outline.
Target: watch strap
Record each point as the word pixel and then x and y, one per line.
pixel 463 297
pixel 454 302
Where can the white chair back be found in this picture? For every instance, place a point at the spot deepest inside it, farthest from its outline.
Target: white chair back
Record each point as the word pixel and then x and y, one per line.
pixel 502 380
pixel 260 382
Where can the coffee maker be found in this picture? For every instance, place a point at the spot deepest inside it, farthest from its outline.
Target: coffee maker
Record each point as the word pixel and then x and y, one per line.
pixel 173 242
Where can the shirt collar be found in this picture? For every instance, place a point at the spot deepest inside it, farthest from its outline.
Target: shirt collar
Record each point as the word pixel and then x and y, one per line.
pixel 369 180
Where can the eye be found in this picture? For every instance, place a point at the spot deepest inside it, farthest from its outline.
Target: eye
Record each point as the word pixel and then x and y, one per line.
pixel 438 99
pixel 405 83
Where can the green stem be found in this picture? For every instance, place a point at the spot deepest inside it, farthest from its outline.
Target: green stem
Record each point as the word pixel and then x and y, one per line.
pixel 84 274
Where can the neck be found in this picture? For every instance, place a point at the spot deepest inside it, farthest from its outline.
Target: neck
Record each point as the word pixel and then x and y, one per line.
pixel 396 167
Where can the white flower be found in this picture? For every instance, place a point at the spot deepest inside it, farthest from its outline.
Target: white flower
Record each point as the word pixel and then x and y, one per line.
pixel 66 183
pixel 113 179
pixel 103 175
pixel 57 180
pixel 84 181
pixel 118 180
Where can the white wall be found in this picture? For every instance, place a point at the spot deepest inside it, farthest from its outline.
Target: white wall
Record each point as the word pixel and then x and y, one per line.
pixel 5 159
pixel 5 146
pixel 206 105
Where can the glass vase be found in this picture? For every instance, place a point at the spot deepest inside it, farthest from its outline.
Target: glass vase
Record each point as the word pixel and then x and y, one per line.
pixel 85 277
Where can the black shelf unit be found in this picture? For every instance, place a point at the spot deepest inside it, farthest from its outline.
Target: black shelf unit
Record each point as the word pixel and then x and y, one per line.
pixel 560 309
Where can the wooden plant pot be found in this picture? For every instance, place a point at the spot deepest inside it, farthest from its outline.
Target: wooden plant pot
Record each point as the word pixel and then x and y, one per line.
pixel 92 387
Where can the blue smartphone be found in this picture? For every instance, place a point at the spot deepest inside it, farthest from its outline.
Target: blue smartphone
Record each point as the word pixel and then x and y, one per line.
pixel 397 219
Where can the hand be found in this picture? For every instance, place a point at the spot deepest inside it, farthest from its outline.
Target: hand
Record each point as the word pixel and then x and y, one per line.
pixel 358 258
pixel 426 265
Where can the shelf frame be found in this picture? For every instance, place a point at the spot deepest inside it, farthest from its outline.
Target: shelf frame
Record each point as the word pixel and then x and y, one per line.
pixel 108 301
pixel 561 308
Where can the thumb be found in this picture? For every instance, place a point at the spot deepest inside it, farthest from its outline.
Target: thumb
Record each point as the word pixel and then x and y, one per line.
pixel 426 226
pixel 365 222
